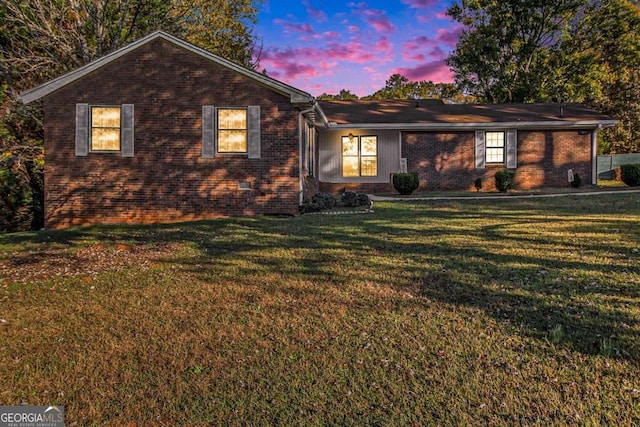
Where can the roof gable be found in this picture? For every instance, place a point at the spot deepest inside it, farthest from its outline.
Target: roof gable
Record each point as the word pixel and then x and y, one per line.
pixel 296 96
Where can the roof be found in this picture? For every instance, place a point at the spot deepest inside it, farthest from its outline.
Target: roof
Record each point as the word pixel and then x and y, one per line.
pixel 297 96
pixel 433 114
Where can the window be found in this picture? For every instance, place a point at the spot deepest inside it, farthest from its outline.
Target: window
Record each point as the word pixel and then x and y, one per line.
pixel 105 128
pixel 495 147
pixel 359 156
pixel 232 130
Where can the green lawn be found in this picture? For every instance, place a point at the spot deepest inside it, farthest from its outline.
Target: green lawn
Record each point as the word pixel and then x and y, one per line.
pixel 500 312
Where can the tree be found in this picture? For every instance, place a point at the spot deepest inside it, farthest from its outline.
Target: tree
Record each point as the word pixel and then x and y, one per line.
pixel 399 87
pixel 503 52
pixel 344 94
pixel 42 39
pixel 223 27
pixel 600 66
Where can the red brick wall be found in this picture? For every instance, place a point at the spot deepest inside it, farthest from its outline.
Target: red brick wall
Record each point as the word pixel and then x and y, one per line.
pixel 167 179
pixel 367 188
pixel 446 160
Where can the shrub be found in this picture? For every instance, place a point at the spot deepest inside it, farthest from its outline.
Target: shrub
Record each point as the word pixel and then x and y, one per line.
pixel 406 183
pixel 478 184
pixel 363 200
pixel 15 201
pixel 319 202
pixel 630 174
pixel 349 199
pixel 504 180
pixel 577 181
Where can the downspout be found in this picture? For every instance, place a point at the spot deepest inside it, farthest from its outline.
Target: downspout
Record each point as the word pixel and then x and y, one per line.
pixel 594 155
pixel 301 149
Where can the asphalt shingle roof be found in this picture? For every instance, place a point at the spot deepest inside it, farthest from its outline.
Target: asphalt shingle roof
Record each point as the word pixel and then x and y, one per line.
pixel 436 111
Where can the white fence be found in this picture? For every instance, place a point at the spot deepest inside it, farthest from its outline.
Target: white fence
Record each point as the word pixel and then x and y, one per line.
pixel 606 163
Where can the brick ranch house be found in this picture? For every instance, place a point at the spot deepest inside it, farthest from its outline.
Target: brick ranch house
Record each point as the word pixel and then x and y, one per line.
pixel 163 131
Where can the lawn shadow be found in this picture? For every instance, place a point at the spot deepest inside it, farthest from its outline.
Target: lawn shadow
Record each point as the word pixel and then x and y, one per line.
pixel 498 257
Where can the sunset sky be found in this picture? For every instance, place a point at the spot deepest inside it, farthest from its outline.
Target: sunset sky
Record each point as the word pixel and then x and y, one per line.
pixel 324 46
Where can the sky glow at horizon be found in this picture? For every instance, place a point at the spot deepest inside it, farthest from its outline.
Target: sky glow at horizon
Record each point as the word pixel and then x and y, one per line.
pixel 324 46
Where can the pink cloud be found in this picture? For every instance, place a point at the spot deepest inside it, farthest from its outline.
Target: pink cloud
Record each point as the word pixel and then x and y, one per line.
pixel 324 65
pixel 295 28
pixel 378 20
pixel 419 4
pixel 331 35
pixel 413 50
pixel 317 14
pixel 437 53
pixel 289 63
pixel 416 57
pixel 449 36
pixel 384 46
pixel 437 72
pixel 353 29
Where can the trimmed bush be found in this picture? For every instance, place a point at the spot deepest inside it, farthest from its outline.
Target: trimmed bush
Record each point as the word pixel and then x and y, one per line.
pixel 353 200
pixel 478 184
pixel 363 200
pixel 504 180
pixel 577 181
pixel 349 199
pixel 630 174
pixel 319 202
pixel 406 183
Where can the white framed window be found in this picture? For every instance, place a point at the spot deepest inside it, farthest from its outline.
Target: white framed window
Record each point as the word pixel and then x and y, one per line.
pixel 105 128
pixel 495 147
pixel 359 156
pixel 232 130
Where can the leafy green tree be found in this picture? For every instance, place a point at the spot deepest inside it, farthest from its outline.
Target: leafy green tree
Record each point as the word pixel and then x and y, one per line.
pixel 344 94
pixel 398 86
pixel 600 66
pixel 503 54
pixel 223 27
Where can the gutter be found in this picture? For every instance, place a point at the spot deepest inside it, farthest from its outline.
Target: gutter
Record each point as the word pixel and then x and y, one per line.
pixel 591 124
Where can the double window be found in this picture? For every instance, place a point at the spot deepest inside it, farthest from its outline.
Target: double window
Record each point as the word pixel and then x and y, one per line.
pixel 359 156
pixel 232 130
pixel 105 128
pixel 495 147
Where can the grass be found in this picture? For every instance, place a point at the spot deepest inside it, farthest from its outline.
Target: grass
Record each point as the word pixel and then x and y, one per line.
pixel 602 185
pixel 493 312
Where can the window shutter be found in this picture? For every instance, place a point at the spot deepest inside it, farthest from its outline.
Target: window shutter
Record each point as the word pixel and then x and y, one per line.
pixel 480 149
pixel 82 129
pixel 127 135
pixel 208 131
pixel 253 131
pixel 512 149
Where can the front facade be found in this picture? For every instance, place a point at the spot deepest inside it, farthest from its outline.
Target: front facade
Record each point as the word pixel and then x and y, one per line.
pixel 451 146
pixel 162 131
